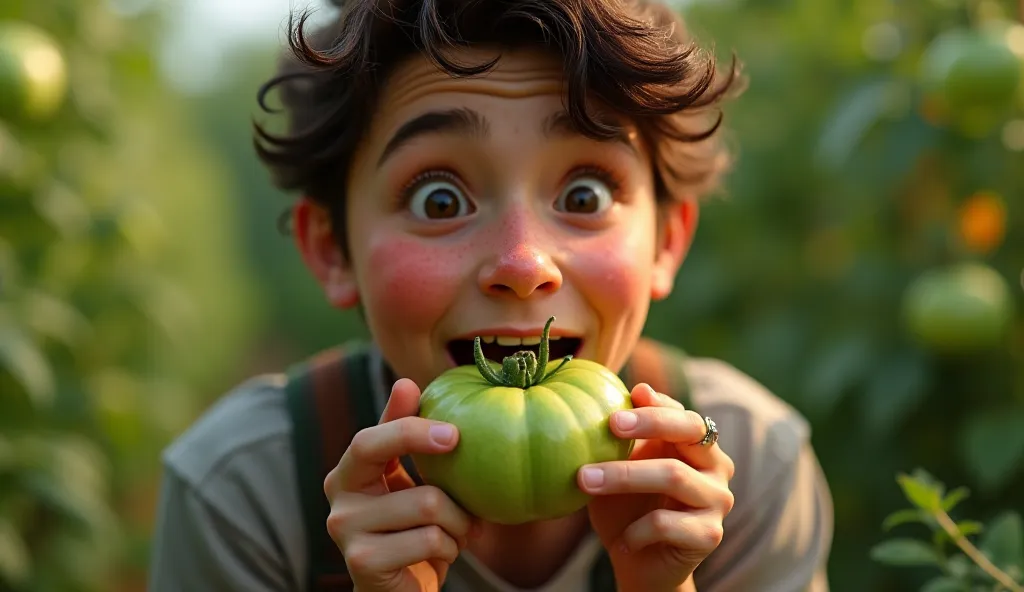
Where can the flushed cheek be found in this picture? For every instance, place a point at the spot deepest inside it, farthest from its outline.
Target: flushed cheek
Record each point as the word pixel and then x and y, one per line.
pixel 410 284
pixel 613 275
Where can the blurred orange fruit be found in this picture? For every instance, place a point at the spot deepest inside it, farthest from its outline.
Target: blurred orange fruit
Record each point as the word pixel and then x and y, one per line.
pixel 982 222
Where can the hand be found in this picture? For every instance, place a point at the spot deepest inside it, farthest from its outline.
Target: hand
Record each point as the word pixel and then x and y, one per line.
pixel 395 536
pixel 660 513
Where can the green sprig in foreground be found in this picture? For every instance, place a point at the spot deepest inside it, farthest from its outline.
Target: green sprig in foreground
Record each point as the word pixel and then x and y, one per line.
pixel 995 563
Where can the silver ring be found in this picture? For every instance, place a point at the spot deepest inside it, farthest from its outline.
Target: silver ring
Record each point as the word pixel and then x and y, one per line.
pixel 711 437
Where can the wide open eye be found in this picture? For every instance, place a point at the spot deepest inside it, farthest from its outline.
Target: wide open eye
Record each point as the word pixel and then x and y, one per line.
pixel 585 195
pixel 438 199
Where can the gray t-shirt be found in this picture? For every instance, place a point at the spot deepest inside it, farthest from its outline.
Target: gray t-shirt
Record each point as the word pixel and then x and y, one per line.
pixel 229 517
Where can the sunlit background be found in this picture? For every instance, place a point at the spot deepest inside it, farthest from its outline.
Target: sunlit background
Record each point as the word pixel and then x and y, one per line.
pixel 865 262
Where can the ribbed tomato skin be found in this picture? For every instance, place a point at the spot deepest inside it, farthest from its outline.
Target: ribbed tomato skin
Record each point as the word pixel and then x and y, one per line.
pixel 519 449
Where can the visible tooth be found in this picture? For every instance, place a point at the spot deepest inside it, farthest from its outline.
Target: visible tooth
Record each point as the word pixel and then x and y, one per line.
pixel 535 340
pixel 553 338
pixel 487 338
pixel 504 340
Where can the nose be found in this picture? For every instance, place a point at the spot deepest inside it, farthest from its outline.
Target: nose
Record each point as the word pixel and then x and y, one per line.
pixel 520 270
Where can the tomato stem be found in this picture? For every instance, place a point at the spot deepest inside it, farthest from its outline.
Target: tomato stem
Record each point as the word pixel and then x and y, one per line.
pixel 522 369
pixel 542 361
pixel 484 366
pixel 559 367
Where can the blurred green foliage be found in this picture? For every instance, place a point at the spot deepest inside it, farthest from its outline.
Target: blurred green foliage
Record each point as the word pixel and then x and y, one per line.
pixel 864 263
pixel 122 292
pixel 995 563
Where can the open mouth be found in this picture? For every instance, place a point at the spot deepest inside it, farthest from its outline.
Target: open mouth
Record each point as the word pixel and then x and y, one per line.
pixel 497 348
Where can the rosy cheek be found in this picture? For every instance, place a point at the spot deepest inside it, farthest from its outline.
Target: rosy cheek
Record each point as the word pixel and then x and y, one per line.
pixel 410 283
pixel 614 274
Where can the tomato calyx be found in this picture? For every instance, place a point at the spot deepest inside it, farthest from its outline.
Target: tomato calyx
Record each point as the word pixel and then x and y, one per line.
pixel 522 369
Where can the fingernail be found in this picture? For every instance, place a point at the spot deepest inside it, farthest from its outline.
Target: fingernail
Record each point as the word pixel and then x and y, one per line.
pixel 593 477
pixel 442 433
pixel 626 420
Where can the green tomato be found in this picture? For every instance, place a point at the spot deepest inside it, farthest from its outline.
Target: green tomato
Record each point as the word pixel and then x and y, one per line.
pixel 33 73
pixel 959 309
pixel 526 427
pixel 973 76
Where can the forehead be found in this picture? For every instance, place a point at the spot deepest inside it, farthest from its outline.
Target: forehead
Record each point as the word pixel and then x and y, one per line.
pixel 523 91
pixel 520 74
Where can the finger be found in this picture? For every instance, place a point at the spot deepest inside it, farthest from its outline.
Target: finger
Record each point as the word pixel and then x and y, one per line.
pixel 644 395
pixel 665 476
pixel 372 449
pixel 403 402
pixel 669 424
pixel 696 533
pixel 682 427
pixel 403 510
pixel 372 554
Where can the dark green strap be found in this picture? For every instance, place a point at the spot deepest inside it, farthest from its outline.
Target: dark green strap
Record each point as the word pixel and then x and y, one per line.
pixel 325 418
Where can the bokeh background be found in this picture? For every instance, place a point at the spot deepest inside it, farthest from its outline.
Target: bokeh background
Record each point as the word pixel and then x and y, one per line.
pixel 865 261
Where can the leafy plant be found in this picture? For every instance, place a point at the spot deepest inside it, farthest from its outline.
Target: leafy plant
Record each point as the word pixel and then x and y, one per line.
pixel 118 302
pixel 993 562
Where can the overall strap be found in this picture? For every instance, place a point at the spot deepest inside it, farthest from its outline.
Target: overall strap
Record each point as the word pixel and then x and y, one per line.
pixel 328 401
pixel 662 367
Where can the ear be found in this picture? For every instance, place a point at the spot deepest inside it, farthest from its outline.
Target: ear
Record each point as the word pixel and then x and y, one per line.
pixel 315 239
pixel 678 221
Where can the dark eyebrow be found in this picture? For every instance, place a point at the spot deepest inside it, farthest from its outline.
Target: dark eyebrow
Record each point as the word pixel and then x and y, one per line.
pixel 560 124
pixel 454 121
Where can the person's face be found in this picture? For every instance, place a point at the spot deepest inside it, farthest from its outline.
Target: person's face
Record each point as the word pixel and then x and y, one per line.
pixel 475 210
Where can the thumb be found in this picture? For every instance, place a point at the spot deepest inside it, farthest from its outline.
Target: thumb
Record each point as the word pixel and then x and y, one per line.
pixel 403 402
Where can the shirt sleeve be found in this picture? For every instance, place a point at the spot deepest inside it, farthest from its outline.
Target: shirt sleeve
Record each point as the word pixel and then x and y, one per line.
pixel 198 548
pixel 779 540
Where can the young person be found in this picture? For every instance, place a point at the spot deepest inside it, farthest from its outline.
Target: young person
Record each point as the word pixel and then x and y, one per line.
pixel 470 168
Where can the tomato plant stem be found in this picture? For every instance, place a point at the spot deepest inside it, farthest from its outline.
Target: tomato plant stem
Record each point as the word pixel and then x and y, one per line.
pixel 976 556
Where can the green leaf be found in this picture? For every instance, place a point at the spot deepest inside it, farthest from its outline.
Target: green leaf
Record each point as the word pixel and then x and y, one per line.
pixel 959 566
pixel 945 584
pixel 970 527
pixel 904 517
pixel 71 506
pixel 23 360
pixel 1003 541
pixel 54 318
pixel 923 495
pixel 954 497
pixel 15 562
pixel 905 552
pixel 992 445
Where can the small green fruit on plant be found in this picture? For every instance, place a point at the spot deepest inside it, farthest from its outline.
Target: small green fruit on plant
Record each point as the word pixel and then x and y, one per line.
pixel 959 309
pixel 525 429
pixel 33 73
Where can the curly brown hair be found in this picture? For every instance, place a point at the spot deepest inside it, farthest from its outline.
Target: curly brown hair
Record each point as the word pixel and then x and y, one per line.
pixel 632 56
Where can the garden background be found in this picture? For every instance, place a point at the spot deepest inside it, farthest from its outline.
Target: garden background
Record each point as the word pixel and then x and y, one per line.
pixel 865 261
